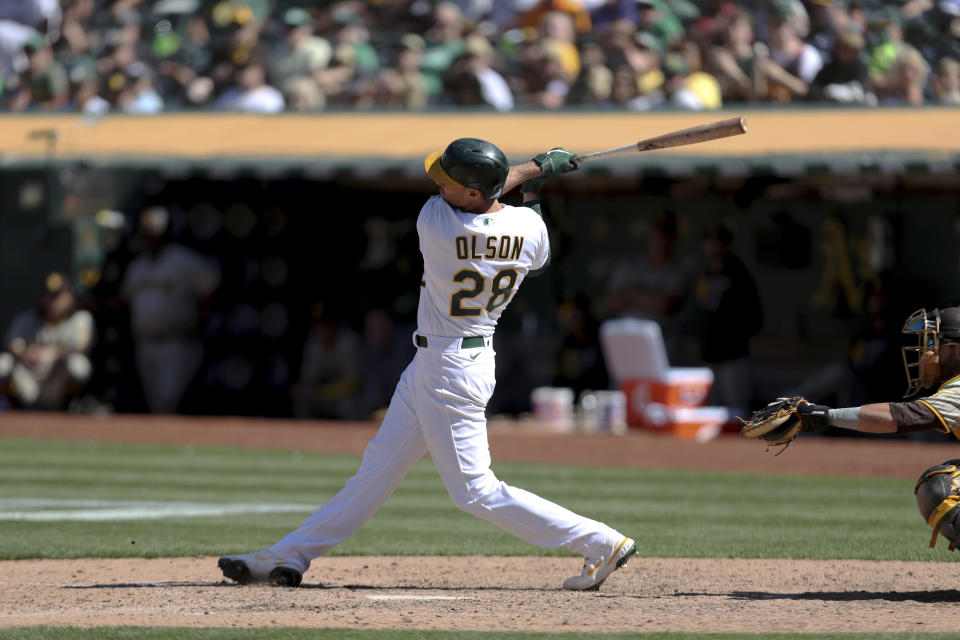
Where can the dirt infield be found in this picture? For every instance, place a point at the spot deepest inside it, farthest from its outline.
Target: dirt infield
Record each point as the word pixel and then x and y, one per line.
pixel 818 455
pixel 464 593
pixel 494 594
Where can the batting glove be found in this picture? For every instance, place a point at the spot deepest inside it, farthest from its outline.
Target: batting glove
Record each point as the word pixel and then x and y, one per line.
pixel 555 162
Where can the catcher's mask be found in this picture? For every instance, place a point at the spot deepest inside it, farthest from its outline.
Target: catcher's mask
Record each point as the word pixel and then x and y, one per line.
pixel 470 162
pixel 922 361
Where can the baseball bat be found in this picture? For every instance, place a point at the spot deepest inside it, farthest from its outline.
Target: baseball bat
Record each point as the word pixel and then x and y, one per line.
pixel 693 135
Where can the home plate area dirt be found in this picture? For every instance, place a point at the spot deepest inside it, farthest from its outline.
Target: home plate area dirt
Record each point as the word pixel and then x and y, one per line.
pixel 492 594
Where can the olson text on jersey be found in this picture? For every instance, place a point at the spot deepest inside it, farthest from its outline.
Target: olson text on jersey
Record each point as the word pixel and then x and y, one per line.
pixel 478 247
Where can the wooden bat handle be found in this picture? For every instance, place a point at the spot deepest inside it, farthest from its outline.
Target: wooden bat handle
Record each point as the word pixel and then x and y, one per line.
pixel 693 135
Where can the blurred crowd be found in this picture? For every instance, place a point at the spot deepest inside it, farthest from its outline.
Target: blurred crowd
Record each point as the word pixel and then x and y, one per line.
pixel 140 56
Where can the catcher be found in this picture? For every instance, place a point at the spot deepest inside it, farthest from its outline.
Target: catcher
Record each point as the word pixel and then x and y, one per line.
pixel 933 359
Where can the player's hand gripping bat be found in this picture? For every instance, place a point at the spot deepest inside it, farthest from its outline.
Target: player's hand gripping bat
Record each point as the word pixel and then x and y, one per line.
pixel 693 135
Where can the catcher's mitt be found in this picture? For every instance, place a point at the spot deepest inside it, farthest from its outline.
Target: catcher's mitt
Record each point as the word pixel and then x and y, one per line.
pixel 776 423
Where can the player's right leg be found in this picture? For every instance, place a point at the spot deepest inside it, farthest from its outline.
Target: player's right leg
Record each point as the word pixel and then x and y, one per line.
pixel 451 407
pixel 598 566
pixel 386 460
pixel 23 384
pixel 260 567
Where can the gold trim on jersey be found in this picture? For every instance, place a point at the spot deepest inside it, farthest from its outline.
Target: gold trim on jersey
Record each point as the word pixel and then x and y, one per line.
pixel 923 401
pixel 953 379
pixel 946 428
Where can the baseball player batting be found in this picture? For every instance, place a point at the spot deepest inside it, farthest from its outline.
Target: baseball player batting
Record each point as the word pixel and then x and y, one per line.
pixel 932 360
pixel 476 253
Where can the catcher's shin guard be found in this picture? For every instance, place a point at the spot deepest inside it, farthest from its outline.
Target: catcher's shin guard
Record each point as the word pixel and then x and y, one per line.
pixel 938 494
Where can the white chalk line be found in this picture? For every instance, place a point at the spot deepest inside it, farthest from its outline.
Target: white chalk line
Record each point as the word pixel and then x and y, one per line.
pixel 406 597
pixel 82 510
pixel 93 610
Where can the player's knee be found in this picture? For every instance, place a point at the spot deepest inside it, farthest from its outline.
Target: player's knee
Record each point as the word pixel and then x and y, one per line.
pixel 938 494
pixel 6 365
pixel 474 508
pixel 478 496
pixel 79 368
pixel 949 527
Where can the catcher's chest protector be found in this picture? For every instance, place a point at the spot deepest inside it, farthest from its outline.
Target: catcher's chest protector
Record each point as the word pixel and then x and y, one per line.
pixel 938 494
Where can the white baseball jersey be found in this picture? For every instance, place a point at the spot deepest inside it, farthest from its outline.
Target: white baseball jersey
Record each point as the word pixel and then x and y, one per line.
pixel 74 333
pixel 945 404
pixel 163 290
pixel 473 264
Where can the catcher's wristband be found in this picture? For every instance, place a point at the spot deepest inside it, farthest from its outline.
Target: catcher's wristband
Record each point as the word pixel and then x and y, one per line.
pixel 846 418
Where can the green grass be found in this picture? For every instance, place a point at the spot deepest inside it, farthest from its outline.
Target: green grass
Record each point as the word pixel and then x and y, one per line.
pixel 670 513
pixel 137 633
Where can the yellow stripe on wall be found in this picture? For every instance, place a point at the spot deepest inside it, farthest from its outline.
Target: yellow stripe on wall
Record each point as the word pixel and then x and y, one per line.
pixel 395 135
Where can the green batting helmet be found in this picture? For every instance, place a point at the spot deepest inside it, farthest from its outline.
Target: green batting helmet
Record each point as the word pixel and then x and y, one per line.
pixel 469 162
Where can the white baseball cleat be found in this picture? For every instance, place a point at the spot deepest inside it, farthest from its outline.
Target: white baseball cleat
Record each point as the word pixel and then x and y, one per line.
pixel 598 568
pixel 260 567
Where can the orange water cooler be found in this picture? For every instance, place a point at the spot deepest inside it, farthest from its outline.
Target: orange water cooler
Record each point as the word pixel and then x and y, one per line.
pixel 659 397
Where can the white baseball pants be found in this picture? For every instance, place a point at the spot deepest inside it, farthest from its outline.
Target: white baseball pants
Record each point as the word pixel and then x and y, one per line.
pixel 166 367
pixel 438 407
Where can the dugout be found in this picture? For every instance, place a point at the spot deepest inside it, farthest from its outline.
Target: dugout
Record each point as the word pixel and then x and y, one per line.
pixel 818 215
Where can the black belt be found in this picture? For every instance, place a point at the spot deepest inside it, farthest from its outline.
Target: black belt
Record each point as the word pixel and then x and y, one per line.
pixel 470 342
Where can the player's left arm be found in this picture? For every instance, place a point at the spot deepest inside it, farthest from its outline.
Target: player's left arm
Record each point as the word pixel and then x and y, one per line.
pixel 533 175
pixel 519 174
pixel 939 411
pixel 886 417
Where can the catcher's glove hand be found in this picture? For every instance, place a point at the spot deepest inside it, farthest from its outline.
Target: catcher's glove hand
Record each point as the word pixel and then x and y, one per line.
pixel 783 419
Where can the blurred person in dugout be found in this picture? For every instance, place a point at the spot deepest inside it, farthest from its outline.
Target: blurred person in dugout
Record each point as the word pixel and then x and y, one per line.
pixel 654 285
pixel 46 361
pixel 168 289
pixel 387 350
pixel 331 373
pixel 728 313
pixel 579 362
pixel 862 376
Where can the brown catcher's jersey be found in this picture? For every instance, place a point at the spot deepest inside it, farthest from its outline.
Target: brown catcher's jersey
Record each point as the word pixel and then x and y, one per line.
pixel 945 404
pixel 473 263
